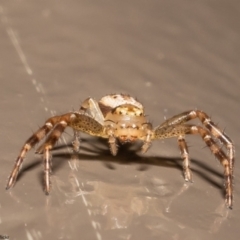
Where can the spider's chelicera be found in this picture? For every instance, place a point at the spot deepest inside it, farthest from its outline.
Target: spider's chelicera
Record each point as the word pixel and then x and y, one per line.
pixel 121 118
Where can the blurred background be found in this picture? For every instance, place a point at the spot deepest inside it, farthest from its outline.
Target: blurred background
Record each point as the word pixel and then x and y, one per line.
pixel 172 56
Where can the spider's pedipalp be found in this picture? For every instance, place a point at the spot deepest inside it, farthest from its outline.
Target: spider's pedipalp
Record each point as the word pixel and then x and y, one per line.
pixel 76 141
pixel 147 139
pixel 113 145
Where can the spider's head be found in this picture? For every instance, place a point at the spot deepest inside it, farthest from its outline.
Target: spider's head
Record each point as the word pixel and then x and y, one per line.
pixel 129 122
pixel 128 110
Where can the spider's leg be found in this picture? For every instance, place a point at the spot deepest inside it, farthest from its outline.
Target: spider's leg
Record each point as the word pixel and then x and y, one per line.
pixel 216 132
pixel 147 139
pixel 47 169
pixel 208 123
pixel 185 156
pixel 113 145
pixel 91 107
pixel 86 123
pixel 46 148
pixel 76 141
pixel 112 140
pixel 30 143
pixel 162 132
pixel 179 131
pixel 223 159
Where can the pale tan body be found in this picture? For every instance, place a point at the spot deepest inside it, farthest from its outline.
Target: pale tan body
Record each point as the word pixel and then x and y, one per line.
pixel 120 117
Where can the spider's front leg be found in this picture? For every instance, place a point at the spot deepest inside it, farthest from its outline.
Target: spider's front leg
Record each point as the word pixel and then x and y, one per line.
pixel 46 147
pixel 54 127
pixel 79 122
pixel 209 124
pixel 175 127
pixel 90 108
pixel 30 143
pixel 179 131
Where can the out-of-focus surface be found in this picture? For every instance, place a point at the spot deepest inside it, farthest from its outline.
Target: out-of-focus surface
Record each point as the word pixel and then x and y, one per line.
pixel 173 56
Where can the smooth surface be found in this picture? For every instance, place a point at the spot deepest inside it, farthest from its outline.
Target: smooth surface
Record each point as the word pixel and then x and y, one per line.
pixel 173 56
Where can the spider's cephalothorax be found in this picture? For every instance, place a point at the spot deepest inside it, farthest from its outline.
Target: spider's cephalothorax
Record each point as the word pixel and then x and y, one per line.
pixel 120 117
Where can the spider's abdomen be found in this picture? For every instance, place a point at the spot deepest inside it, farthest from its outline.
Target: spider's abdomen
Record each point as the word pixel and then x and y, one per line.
pixel 115 100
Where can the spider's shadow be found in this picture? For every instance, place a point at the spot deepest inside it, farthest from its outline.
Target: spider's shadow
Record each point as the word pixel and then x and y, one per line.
pixel 128 154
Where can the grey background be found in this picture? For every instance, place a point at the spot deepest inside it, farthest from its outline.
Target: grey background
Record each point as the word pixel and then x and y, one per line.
pixel 173 56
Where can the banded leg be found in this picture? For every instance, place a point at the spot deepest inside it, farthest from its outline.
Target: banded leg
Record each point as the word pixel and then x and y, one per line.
pixel 208 123
pixel 223 159
pixel 168 131
pixel 112 139
pixel 113 145
pixel 76 141
pixel 46 148
pixel 179 131
pixel 47 170
pixel 147 140
pixel 30 143
pixel 216 132
pixel 185 156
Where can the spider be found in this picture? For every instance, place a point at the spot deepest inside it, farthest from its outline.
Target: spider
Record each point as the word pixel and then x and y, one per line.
pixel 120 118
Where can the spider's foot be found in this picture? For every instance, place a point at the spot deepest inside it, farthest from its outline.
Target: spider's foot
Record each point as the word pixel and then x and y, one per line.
pixel 47 192
pixel 10 183
pixel 113 145
pixel 145 147
pixel 47 188
pixel 114 149
pixel 188 175
pixel 47 182
pixel 12 179
pixel 76 146
pixel 229 201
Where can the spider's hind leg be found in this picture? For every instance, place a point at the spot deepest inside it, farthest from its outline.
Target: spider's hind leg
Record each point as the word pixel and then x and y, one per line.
pixel 168 131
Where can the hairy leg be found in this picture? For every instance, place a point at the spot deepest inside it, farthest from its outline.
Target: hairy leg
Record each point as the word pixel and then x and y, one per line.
pixel 208 123
pixel 46 150
pixel 223 159
pixel 30 143
pixel 76 141
pixel 181 130
pixel 185 156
